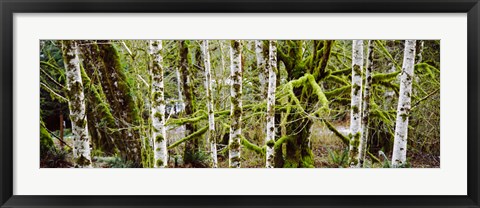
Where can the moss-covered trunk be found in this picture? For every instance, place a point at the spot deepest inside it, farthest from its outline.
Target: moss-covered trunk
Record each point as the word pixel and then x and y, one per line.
pixel 306 99
pixel 191 146
pixel 102 63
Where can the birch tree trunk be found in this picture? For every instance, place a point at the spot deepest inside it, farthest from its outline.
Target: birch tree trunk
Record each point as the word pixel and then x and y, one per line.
pixel 366 105
pixel 262 67
pixel 399 156
pixel 179 90
pixel 419 51
pixel 158 106
pixel 272 81
pixel 356 101
pixel 236 104
pixel 76 104
pixel 211 139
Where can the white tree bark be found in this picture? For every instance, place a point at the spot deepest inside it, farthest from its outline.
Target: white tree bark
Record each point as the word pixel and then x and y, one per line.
pixel 158 105
pixel 262 67
pixel 399 156
pixel 76 104
pixel 179 90
pixel 236 104
pixel 419 50
pixel 366 105
pixel 272 81
pixel 211 141
pixel 356 101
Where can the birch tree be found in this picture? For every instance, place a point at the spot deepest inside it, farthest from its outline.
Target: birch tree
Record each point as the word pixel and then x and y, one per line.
pixel 158 105
pixel 356 101
pixel 76 104
pixel 262 67
pixel 399 156
pixel 211 140
pixel 272 84
pixel 366 105
pixel 236 104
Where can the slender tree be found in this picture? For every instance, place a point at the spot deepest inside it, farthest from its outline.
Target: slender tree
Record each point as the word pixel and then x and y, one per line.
pixel 236 104
pixel 419 51
pixel 211 139
pixel 399 156
pixel 158 105
pixel 262 67
pixel 191 146
pixel 272 81
pixel 366 105
pixel 76 103
pixel 356 102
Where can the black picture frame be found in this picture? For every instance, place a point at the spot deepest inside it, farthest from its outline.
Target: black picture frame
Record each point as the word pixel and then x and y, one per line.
pixel 10 7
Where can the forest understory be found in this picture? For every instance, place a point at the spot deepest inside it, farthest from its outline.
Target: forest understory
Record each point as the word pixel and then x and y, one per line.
pixel 240 103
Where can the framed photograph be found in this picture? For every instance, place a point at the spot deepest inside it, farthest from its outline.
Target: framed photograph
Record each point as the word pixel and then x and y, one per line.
pixel 269 103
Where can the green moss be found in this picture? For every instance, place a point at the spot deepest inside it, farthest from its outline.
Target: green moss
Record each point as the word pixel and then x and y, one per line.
pixel 82 161
pixel 251 146
pixel 271 143
pixel 355 109
pixel 337 92
pixel 189 137
pixel 159 162
pixel 159 138
pixel 356 89
pixel 46 141
pixel 234 145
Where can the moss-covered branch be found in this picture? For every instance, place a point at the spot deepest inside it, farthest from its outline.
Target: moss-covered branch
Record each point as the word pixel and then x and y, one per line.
pixel 337 79
pixel 386 53
pixel 259 150
pixel 280 141
pixel 344 139
pixel 383 77
pixel 338 91
pixel 54 94
pixel 198 133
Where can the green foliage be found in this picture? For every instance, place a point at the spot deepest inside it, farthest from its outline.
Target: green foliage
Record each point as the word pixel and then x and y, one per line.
pixel 115 162
pixel 198 159
pixel 51 157
pixel 338 159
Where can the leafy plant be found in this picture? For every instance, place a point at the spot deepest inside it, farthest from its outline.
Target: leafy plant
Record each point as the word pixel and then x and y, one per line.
pixel 339 159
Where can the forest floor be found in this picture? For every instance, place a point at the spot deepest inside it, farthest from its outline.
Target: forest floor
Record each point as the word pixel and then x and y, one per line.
pixel 328 150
